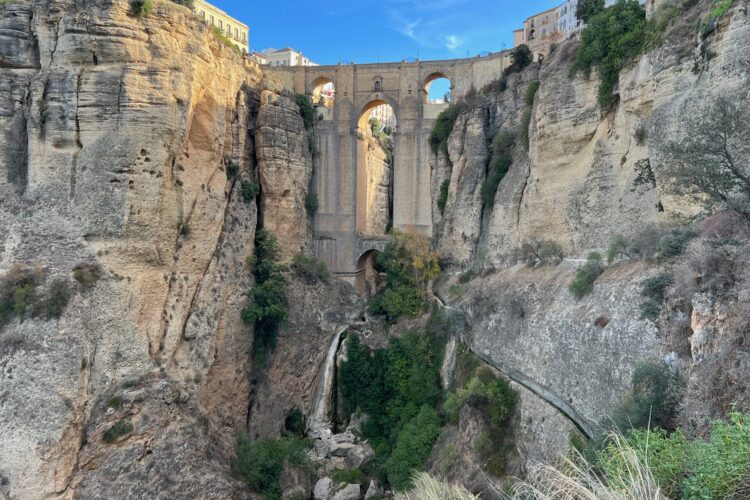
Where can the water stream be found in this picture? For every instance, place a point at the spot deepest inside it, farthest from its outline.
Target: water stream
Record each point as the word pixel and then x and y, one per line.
pixel 319 421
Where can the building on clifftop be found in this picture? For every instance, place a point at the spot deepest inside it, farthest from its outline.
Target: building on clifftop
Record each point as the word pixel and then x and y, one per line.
pixel 236 32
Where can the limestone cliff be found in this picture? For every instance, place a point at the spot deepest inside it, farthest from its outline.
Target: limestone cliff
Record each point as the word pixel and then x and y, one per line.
pixel 124 145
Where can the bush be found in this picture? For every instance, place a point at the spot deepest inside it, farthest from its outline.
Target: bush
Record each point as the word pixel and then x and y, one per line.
pixel 531 91
pixel 18 297
pixel 259 464
pixel 87 275
pixel 185 3
pixel 618 247
pixel 586 9
pixel 185 230
pixel 226 41
pixel 443 196
pixel 654 289
pixel 142 8
pixel 311 203
pixel 409 264
pixel 550 251
pixel 673 244
pixel 346 476
pixel 524 127
pixel 58 296
pixel 267 307
pixel 653 400
pixel 610 40
pixel 232 170
pixel 295 423
pixel 120 429
pixel 250 191
pixel 502 145
pixel 583 283
pixel 311 268
pixel 412 448
pixel 520 57
pixel 443 127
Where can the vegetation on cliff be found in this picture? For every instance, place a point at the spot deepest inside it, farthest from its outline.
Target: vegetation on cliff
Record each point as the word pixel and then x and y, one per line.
pixel 399 389
pixel 409 264
pixel 500 162
pixel 267 307
pixel 20 299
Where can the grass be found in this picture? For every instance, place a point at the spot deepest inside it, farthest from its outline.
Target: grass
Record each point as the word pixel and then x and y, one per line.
pixel 428 488
pixel 120 429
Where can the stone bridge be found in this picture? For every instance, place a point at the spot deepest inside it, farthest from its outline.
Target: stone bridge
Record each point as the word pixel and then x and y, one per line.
pixel 340 179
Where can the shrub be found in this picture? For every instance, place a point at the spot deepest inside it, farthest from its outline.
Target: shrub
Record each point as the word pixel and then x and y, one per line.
pixel 142 8
pixel 311 268
pixel 412 448
pixel 467 276
pixel 295 423
pixel 524 127
pixel 443 127
pixel 259 464
pixel 610 40
pixel 716 467
pixel 306 110
pixel 232 170
pixel 641 134
pixel 185 230
pixel 654 289
pixel 550 251
pixel 120 429
pixel 586 9
pixel 618 247
pixel 87 275
pixel 502 145
pixel 267 307
pixel 446 458
pixel 531 91
pixel 250 191
pixel 409 264
pixel 653 400
pixel 673 244
pixel 311 203
pixel 347 476
pixel 520 57
pixel 18 297
pixel 443 196
pixel 583 283
pixel 58 296
pixel 185 3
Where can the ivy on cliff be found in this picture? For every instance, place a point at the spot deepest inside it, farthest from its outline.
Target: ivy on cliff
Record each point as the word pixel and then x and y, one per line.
pixel 267 306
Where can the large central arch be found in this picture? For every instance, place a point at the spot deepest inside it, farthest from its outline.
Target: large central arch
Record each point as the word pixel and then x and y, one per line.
pixel 374 174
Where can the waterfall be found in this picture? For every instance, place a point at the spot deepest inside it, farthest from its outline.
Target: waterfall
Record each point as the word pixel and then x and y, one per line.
pixel 319 420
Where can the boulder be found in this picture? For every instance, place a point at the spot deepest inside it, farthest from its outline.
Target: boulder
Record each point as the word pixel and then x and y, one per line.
pixel 374 490
pixel 323 489
pixel 349 492
pixel 359 455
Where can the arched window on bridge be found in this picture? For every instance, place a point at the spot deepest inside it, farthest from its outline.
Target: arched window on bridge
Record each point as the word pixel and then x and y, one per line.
pixel 375 163
pixel 367 279
pixel 324 92
pixel 437 88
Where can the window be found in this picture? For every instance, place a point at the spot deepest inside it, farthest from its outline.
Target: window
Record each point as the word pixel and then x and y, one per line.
pixel 236 33
pixel 244 37
pixel 378 86
pixel 221 24
pixel 212 20
pixel 203 15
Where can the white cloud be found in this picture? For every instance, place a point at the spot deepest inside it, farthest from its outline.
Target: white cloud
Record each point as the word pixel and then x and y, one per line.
pixel 453 42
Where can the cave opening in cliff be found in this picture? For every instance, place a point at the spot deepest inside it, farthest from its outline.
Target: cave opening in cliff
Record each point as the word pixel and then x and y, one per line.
pixel 323 93
pixel 437 89
pixel 376 144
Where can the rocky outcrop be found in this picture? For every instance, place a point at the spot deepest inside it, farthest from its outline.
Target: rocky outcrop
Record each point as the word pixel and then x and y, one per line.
pixel 284 167
pixel 577 183
pixel 379 177
pixel 124 143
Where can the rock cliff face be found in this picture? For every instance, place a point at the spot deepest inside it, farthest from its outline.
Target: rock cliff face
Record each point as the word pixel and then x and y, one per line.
pixel 124 144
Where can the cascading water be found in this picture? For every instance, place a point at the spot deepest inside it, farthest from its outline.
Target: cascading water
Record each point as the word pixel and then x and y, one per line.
pixel 319 421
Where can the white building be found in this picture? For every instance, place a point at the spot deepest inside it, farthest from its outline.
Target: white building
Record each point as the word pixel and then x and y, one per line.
pixel 567 22
pixel 286 57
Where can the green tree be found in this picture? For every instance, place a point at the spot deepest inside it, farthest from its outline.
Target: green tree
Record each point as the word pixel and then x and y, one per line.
pixel 610 40
pixel 586 9
pixel 710 161
pixel 520 57
pixel 413 447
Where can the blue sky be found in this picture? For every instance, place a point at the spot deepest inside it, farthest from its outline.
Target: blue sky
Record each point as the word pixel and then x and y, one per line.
pixel 364 31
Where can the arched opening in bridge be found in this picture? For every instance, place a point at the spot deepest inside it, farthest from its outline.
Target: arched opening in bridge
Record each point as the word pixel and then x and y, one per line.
pixel 323 92
pixel 375 153
pixel 367 280
pixel 437 89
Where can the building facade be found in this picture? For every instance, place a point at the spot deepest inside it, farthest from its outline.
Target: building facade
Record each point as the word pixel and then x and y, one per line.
pixel 568 23
pixel 539 33
pixel 286 57
pixel 236 32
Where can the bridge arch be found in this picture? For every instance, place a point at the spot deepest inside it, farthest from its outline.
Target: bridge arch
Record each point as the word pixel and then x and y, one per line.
pixel 433 78
pixel 323 91
pixel 366 279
